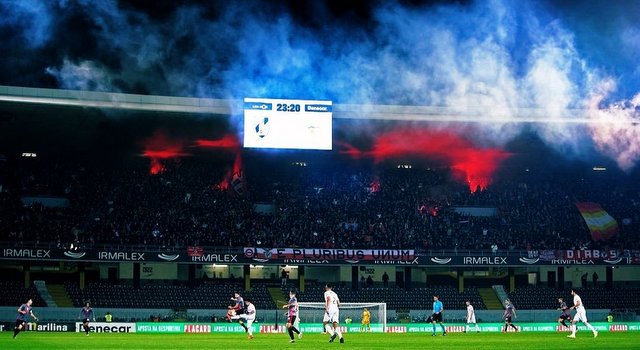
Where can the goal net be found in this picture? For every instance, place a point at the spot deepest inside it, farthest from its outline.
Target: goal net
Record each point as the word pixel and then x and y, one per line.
pixel 314 313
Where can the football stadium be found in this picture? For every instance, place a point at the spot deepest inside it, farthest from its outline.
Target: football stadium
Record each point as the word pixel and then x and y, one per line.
pixel 319 174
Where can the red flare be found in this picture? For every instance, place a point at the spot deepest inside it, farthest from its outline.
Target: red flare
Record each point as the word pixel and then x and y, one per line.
pixel 160 147
pixel 234 177
pixel 473 166
pixel 227 141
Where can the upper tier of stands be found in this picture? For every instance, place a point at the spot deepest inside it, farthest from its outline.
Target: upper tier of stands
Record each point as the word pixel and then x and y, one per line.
pixel 316 206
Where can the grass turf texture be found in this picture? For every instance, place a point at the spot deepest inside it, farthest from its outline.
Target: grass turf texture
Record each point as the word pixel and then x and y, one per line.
pixel 511 341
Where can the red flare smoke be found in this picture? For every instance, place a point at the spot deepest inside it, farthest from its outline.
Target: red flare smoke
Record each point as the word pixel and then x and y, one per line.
pixel 160 147
pixel 234 178
pixel 227 141
pixel 474 166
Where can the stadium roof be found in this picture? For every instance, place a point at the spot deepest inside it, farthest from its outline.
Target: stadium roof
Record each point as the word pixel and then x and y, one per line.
pixel 98 99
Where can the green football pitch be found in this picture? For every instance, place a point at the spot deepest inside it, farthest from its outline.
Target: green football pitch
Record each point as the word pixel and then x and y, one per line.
pixel 511 341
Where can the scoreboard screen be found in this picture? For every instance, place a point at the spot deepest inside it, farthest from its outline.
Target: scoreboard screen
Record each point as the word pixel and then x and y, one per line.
pixel 290 124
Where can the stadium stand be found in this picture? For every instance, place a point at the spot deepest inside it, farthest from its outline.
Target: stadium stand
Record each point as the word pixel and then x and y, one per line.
pixel 205 296
pixel 13 293
pixel 312 208
pixel 541 297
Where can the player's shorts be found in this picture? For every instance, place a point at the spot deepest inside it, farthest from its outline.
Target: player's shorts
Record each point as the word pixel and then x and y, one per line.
pixel 366 321
pixel 471 319
pixel 20 322
pixel 507 319
pixel 296 322
pixel 580 316
pixel 332 316
pixel 85 320
pixel 565 317
pixel 436 317
pixel 291 319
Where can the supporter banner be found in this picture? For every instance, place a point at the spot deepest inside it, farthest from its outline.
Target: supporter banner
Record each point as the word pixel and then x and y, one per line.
pixel 583 257
pixel 331 256
pixel 107 327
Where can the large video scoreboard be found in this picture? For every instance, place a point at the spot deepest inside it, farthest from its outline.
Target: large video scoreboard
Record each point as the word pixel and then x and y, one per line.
pixel 287 124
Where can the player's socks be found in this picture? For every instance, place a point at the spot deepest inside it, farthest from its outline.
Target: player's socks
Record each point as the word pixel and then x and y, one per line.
pixel 514 327
pixel 245 327
pixel 339 333
pixel 433 325
pixel 295 330
pixel 443 329
pixel 564 324
pixel 16 331
pixel 329 330
pixel 590 327
pixel 291 333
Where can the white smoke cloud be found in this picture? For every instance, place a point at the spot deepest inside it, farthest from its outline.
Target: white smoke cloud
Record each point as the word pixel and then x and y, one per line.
pixel 86 75
pixel 618 133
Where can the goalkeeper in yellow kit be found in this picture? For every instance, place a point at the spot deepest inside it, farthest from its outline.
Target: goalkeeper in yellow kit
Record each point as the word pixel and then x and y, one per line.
pixel 366 321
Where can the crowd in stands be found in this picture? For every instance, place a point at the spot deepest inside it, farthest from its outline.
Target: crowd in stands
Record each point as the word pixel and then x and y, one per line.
pixel 336 205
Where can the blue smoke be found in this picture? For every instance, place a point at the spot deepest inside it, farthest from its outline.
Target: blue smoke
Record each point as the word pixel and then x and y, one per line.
pixel 496 58
pixel 31 20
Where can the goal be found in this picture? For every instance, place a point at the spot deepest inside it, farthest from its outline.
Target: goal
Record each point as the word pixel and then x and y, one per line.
pixel 314 313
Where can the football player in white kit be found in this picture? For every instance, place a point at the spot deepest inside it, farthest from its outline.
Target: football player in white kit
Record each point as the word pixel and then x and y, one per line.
pixel 581 315
pixel 249 317
pixel 332 313
pixel 471 317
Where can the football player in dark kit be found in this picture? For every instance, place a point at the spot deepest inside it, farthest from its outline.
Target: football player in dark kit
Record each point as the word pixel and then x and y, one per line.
pixel 509 312
pixel 24 311
pixel 564 314
pixel 86 315
pixel 292 314
pixel 239 308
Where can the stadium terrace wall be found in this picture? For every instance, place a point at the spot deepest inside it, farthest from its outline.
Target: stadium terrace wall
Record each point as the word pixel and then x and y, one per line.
pixel 319 256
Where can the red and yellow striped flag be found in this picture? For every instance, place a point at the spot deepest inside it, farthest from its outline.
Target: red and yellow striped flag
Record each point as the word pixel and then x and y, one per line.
pixel 602 225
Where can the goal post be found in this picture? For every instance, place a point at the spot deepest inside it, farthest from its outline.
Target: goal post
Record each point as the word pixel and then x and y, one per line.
pixel 314 313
